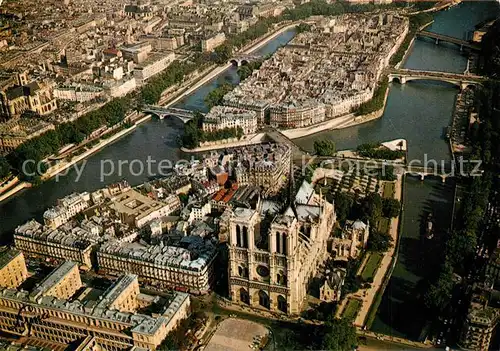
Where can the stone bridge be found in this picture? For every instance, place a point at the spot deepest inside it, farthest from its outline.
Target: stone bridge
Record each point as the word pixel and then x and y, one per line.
pixel 448 39
pixel 422 172
pixel 460 80
pixel 162 112
pixel 244 59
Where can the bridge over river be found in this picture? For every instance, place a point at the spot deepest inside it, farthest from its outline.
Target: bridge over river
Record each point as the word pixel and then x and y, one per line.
pixel 460 80
pixel 448 39
pixel 162 112
pixel 366 165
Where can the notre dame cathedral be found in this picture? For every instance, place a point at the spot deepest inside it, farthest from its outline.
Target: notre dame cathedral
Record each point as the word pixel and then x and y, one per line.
pixel 273 256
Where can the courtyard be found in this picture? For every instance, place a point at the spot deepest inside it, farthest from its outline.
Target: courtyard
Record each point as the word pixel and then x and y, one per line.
pixel 235 334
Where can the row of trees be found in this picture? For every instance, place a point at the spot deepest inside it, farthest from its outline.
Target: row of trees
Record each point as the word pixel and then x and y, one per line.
pixel 376 150
pixel 246 71
pixel 416 22
pixel 37 149
pixel 216 96
pixel 324 147
pixel 173 74
pixel 376 102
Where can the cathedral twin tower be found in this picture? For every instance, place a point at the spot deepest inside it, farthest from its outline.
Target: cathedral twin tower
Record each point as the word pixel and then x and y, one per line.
pixel 271 265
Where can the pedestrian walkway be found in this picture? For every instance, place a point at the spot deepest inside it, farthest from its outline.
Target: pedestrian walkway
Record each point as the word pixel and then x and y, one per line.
pixel 367 296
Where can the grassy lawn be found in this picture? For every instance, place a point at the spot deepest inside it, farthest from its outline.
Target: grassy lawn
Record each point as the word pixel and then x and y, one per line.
pixel 383 225
pixel 371 265
pixel 389 190
pixel 351 309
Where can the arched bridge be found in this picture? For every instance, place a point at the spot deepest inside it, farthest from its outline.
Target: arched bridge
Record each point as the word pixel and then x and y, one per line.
pixel 448 39
pixel 162 112
pixel 435 170
pixel 460 80
pixel 244 59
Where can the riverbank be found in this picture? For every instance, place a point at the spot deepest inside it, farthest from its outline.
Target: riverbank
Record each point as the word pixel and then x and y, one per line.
pixel 440 6
pixel 377 287
pixel 64 165
pixel 221 144
pixel 341 122
pixel 15 190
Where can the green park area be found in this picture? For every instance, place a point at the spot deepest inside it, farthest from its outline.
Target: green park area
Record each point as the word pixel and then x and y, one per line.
pixel 383 225
pixel 371 266
pixel 351 309
pixel 389 190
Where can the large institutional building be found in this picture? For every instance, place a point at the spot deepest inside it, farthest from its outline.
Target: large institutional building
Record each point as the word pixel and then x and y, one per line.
pixel 61 310
pixel 18 95
pixel 270 266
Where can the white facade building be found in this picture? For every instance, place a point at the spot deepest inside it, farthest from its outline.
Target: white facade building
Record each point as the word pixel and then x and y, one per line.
pixel 66 208
pixel 221 117
pixel 155 64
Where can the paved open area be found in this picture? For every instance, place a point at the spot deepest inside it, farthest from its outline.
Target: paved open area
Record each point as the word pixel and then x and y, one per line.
pixel 236 335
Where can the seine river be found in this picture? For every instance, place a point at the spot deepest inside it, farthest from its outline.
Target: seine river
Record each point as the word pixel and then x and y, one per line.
pixel 417 111
pixel 422 110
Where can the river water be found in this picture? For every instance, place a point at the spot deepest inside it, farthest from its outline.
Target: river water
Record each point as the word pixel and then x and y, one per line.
pixel 416 111
pixel 429 108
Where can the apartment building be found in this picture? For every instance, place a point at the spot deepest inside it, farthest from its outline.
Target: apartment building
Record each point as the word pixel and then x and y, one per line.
pixel 76 245
pixel 237 99
pixel 136 52
pixel 188 269
pixel 62 283
pixel 211 42
pixel 482 319
pixel 297 114
pixel 122 295
pixel 264 165
pixel 13 270
pixel 78 92
pixel 136 209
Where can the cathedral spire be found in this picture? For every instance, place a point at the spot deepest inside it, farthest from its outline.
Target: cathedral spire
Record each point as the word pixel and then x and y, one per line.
pixel 291 190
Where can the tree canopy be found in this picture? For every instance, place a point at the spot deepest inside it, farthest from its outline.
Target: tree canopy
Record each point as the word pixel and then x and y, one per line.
pixel 340 335
pixel 324 147
pixel 379 241
pixel 4 167
pixel 216 96
pixel 391 207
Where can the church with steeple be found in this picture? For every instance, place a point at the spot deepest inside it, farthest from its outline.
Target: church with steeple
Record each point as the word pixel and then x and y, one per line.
pixel 273 255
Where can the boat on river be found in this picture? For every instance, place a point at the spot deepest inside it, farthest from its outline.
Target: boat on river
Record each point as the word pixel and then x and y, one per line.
pixel 429 227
